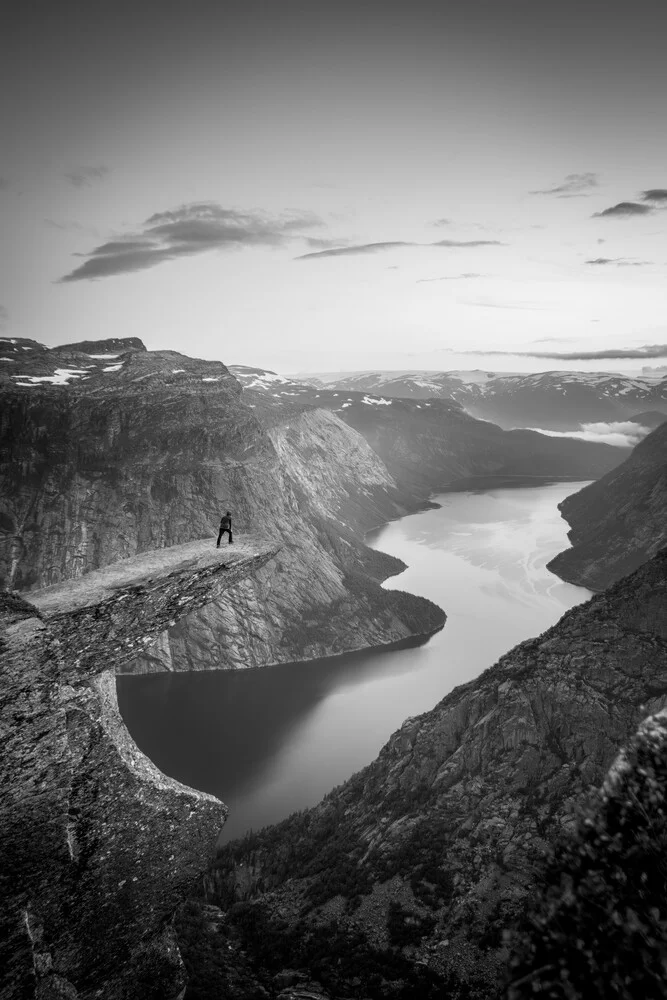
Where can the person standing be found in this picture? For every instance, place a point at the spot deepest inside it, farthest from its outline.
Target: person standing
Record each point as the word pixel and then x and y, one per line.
pixel 225 526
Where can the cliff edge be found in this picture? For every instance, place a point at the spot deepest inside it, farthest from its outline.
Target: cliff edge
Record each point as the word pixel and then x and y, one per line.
pixel 98 845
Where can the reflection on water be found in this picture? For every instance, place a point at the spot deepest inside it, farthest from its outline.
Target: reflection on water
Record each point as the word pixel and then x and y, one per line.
pixel 274 740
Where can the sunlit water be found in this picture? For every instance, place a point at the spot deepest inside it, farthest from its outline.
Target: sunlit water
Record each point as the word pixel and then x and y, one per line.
pixel 274 740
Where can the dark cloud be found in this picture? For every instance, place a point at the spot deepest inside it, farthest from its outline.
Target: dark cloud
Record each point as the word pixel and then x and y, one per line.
pixel 188 230
pixel 574 186
pixel 624 210
pixel 84 176
pixel 602 260
pixel 442 222
pixel 451 277
pixel 648 351
pixel 655 194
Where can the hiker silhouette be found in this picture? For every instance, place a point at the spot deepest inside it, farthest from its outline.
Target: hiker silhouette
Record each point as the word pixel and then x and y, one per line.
pixel 225 526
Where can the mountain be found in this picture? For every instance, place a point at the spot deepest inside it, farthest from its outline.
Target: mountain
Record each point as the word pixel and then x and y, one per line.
pixel 618 522
pixel 412 869
pixel 558 400
pixel 428 444
pixel 107 457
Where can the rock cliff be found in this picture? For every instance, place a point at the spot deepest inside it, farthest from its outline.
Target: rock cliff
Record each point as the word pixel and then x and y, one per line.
pixel 110 450
pixel 418 863
pixel 618 522
pixel 98 845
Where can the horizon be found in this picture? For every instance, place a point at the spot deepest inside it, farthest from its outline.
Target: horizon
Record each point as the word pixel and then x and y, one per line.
pixel 340 189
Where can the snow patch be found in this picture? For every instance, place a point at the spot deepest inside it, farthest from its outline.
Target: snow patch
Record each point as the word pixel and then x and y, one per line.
pixel 104 357
pixel 113 368
pixel 61 376
pixel 377 401
pixel 177 371
pixel 210 379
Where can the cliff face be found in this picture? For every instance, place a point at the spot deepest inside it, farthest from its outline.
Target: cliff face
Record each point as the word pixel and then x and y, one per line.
pixel 98 845
pixel 136 451
pixel 618 522
pixel 434 848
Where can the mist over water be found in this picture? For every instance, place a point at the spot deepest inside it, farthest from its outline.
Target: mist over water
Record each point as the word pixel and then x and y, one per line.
pixel 274 740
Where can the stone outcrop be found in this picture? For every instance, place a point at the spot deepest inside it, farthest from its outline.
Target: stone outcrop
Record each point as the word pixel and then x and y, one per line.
pixel 452 821
pixel 618 522
pixel 98 845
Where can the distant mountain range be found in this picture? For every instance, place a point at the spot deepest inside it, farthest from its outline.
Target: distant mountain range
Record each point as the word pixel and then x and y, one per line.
pixel 557 400
pixel 429 443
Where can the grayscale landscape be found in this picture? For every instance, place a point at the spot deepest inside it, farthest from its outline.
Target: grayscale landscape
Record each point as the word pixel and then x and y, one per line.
pixel 333 501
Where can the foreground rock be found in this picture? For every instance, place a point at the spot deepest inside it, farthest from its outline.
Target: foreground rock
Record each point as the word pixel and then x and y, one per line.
pixel 98 845
pixel 598 926
pixel 416 865
pixel 618 522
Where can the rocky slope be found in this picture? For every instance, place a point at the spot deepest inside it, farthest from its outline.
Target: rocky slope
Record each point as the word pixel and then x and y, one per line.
pixel 110 450
pixel 98 845
pixel 428 444
pixel 558 400
pixel 618 522
pixel 415 866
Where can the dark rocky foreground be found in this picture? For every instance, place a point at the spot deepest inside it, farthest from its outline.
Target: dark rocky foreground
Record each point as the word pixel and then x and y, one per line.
pixel 618 522
pixel 418 864
pixel 98 845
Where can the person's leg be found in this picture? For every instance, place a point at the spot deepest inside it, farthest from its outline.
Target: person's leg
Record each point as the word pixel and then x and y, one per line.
pixel 230 536
pixel 219 537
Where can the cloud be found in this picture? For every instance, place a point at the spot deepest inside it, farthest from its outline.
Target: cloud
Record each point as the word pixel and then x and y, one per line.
pixel 84 176
pixel 364 248
pixel 71 227
pixel 620 434
pixel 188 230
pixel 4 317
pixel 496 304
pixel 624 210
pixel 451 277
pixel 359 248
pixel 466 243
pixel 321 244
pixel 619 262
pixel 4 183
pixel 574 186
pixel 655 194
pixel 442 222
pixel 648 351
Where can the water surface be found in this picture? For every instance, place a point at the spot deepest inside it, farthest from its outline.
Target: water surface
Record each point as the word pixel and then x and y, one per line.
pixel 273 740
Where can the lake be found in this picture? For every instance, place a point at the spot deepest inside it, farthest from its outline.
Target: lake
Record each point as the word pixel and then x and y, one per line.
pixel 273 740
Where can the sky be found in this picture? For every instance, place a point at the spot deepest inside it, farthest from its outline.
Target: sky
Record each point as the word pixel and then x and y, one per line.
pixel 319 186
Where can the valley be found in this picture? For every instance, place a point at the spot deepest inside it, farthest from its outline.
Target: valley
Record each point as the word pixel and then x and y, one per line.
pixel 116 464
